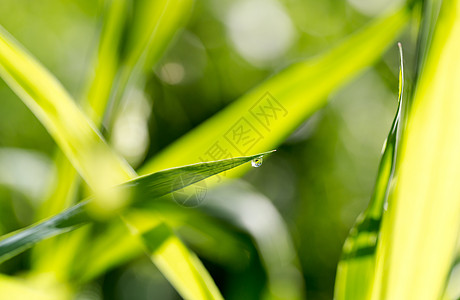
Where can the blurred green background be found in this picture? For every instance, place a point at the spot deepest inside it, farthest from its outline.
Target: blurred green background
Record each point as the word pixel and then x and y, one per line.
pixel 320 179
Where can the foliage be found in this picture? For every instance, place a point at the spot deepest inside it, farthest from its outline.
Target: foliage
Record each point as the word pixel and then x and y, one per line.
pixel 114 196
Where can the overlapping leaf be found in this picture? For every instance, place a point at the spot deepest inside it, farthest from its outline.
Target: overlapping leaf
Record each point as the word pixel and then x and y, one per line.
pixel 301 89
pixel 420 230
pixel 83 145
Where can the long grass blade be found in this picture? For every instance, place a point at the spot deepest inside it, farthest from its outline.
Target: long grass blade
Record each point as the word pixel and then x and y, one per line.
pixel 355 270
pixel 143 188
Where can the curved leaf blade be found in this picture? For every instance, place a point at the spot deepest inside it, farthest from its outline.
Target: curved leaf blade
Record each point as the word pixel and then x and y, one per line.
pixel 356 267
pixel 144 187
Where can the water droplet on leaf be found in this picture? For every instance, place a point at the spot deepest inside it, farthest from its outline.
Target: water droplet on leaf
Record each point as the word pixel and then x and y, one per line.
pixel 257 162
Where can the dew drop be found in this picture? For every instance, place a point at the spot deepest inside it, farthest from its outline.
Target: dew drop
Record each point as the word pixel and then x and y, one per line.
pixel 257 162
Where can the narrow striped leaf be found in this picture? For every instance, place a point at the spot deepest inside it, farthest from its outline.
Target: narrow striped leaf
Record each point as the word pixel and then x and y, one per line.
pixel 356 267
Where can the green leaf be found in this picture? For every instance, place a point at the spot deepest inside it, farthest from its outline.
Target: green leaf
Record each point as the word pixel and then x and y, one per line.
pixel 143 188
pixel 356 267
pixel 421 227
